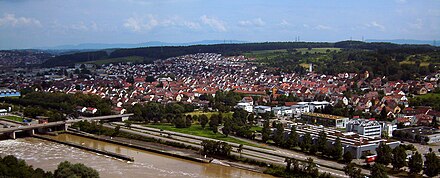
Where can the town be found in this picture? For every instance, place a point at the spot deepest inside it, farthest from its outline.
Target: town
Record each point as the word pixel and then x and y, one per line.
pixel 361 113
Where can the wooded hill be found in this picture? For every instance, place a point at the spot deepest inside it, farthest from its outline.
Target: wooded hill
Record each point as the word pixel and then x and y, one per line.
pixel 154 53
pixel 383 59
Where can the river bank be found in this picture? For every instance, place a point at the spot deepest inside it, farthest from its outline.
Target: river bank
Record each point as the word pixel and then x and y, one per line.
pixel 47 155
pixel 154 147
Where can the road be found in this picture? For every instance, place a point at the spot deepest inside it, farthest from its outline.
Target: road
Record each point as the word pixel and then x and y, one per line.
pixel 259 154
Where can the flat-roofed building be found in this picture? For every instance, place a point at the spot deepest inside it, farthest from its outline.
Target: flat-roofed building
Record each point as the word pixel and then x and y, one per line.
pixel 326 120
pixel 358 145
pixel 262 109
pixel 245 106
pixel 4 92
pixel 420 134
pixel 366 127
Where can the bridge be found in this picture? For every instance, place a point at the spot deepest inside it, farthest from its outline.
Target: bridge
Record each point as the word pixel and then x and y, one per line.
pixel 60 125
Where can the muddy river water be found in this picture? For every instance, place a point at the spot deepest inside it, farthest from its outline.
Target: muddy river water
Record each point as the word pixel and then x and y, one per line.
pixel 47 155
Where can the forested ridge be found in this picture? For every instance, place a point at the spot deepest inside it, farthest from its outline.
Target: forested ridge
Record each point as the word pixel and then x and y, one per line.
pixel 383 59
pixel 226 49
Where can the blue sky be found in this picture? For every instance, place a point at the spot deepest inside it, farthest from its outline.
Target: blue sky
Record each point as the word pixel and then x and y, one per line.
pixel 43 23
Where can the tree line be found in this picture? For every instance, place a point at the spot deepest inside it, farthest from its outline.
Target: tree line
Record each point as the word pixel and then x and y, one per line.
pixel 10 166
pixel 306 144
pixel 163 52
pixel 55 105
pixel 397 157
pixel 396 62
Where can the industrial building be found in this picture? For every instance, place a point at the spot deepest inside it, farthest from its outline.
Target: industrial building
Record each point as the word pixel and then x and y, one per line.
pixel 366 127
pixel 325 120
pixel 4 92
pixel 421 134
pixel 358 145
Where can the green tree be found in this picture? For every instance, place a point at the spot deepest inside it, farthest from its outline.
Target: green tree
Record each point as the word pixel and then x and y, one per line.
pixel 116 131
pixel 216 148
pixel 10 166
pixel 278 137
pixel 265 132
pixel 432 165
pixel 351 171
pixel 214 129
pixel 415 163
pixel 288 162
pixel 292 140
pixel 128 124
pixel 227 127
pixel 337 149
pixel 213 121
pixel 251 118
pixel 311 168
pixel 203 120
pixel 67 170
pixel 348 157
pixel 399 157
pixel 188 121
pixel 321 143
pixel 378 171
pixel 179 121
pixel 306 142
pixel 240 149
pixel 384 154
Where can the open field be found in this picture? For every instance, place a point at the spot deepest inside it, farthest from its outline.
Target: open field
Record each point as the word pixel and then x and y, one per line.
pixel 422 64
pixel 318 50
pixel 425 60
pixel 14 118
pixel 272 53
pixel 265 53
pixel 197 130
pixel 133 59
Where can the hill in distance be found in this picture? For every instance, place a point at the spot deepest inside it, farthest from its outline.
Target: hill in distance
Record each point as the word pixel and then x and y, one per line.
pixel 407 41
pixel 97 46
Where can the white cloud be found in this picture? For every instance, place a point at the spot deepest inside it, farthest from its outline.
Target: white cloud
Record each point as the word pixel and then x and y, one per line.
pixel 138 24
pixel 149 22
pixel 81 26
pixel 284 23
pixel 214 23
pixel 134 24
pixel 322 27
pixel 191 25
pixel 254 22
pixel 374 24
pixel 11 20
pixel 401 1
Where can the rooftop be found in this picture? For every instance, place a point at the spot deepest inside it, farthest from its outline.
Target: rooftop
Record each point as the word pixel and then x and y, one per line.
pixel 326 116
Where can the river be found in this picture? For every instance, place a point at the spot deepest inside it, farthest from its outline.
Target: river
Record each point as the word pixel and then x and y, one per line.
pixel 47 155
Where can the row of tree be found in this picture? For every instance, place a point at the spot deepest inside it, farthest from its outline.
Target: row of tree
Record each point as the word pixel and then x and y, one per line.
pixel 10 166
pixel 308 168
pixel 216 148
pixel 54 105
pixel 305 143
pixel 398 159
pixel 156 112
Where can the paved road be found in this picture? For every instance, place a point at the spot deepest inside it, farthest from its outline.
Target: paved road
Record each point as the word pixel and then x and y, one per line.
pixel 260 154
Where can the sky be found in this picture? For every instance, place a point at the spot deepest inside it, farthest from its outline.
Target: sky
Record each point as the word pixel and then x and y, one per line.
pixel 46 23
